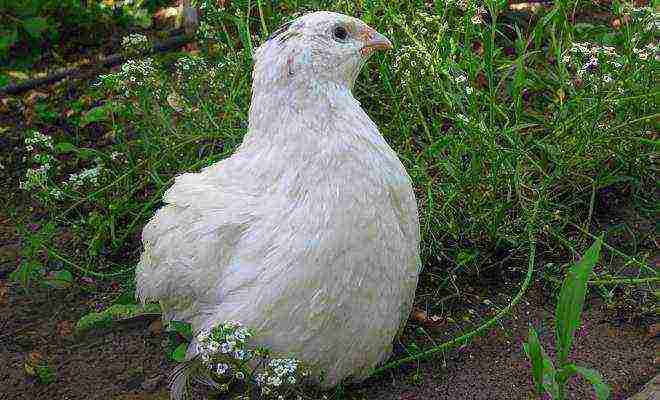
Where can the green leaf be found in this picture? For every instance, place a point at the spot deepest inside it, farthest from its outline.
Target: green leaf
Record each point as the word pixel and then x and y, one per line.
pixel 59 280
pixel 534 352
pixel 142 18
pixel 117 312
pixel 101 113
pixel 26 272
pixel 7 39
pixel 65 147
pixel 45 374
pixel 35 26
pixel 543 371
pixel 86 154
pixel 182 329
pixel 179 354
pixel 595 378
pixel 571 300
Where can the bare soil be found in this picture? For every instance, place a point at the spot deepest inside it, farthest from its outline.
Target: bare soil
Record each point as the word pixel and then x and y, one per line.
pixel 128 361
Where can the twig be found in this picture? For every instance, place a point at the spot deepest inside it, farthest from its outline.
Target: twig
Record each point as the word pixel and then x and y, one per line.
pixel 92 68
pixel 19 330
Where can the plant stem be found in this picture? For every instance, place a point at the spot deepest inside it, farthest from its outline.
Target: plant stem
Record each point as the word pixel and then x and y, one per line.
pixel 488 324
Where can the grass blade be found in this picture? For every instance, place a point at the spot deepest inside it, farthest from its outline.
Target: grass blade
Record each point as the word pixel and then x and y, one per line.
pixel 571 300
pixel 595 378
pixel 534 352
pixel 543 371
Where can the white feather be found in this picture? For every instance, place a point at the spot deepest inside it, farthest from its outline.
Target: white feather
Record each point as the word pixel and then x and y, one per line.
pixel 309 233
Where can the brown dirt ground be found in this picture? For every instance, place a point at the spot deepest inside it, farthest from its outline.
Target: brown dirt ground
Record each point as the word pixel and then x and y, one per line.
pixel 128 361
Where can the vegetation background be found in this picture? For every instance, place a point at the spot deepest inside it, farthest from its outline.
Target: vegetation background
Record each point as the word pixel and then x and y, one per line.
pixel 522 126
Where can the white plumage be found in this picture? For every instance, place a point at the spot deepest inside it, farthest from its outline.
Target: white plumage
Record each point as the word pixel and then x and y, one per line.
pixel 309 233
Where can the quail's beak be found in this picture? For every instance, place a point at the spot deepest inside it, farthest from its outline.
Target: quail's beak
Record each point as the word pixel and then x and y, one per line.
pixel 374 41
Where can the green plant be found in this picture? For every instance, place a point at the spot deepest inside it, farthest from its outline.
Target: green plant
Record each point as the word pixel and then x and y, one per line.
pixel 503 122
pixel 114 313
pixel 26 25
pixel 552 379
pixel 179 340
pixel 226 358
pixel 36 365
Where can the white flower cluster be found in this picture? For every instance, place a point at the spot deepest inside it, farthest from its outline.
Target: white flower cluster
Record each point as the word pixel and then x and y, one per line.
pixel 462 5
pixel 419 60
pixel 189 67
pixel 37 138
pixel 646 16
pixel 208 33
pixel 134 77
pixel 477 18
pixel 35 178
pixel 413 63
pixel 86 177
pixel 278 372
pixel 593 63
pixel 649 51
pixel 43 159
pixel 193 74
pixel 223 350
pixel 211 6
pixel 227 340
pixel 135 43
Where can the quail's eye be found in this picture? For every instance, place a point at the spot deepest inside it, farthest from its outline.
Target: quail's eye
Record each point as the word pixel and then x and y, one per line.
pixel 340 33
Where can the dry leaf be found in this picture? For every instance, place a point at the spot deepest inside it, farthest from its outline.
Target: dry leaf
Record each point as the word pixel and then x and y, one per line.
pixel 176 102
pixel 478 47
pixel 3 292
pixel 166 15
pixel 529 7
pixel 65 328
pixel 156 327
pixel 35 96
pixel 32 361
pixel 17 74
pixel 418 315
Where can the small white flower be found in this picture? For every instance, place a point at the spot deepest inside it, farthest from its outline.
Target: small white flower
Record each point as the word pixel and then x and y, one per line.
pixel 56 193
pixel 135 43
pixel 592 63
pixel 274 381
pixel 240 355
pixel 37 138
pixel 221 368
pixel 88 176
pixel 226 348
